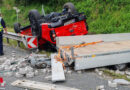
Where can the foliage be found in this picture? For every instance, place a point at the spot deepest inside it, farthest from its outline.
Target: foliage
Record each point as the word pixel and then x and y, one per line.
pixel 103 16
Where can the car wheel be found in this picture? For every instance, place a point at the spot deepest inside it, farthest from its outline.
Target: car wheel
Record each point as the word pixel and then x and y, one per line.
pixel 34 17
pixel 17 27
pixel 70 7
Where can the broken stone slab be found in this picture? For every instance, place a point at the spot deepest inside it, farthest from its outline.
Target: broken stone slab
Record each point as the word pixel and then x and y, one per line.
pixel 101 87
pixel 48 78
pixel 120 72
pixel 28 69
pixel 121 81
pixel 96 70
pixel 36 72
pixel 69 72
pixel 48 70
pixel 65 71
pixel 30 75
pixel 127 73
pixel 112 84
pixel 128 77
pixel 18 75
pixel 8 74
pixel 7 62
pixel 44 71
pixel 79 72
pixel 99 72
pixel 1 68
pixel 6 67
pixel 14 68
pixel 22 71
pixel 2 59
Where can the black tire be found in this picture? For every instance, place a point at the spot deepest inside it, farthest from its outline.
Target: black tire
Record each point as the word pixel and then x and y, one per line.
pixel 17 27
pixel 34 17
pixel 120 67
pixel 70 7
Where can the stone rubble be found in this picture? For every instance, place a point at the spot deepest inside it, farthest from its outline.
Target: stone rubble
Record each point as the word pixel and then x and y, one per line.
pixel 19 67
pixel 101 87
pixel 112 84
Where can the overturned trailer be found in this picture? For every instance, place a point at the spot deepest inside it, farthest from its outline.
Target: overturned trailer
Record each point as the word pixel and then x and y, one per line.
pixel 92 51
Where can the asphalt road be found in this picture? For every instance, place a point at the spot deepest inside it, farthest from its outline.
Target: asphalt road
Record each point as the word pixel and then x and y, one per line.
pixel 87 80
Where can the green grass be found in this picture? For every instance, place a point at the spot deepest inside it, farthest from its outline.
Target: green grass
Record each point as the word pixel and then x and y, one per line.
pixel 115 75
pixel 103 16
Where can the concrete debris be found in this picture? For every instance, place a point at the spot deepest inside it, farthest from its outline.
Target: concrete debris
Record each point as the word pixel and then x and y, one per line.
pixel 65 71
pixel 2 59
pixel 48 78
pixel 20 67
pixel 96 70
pixel 112 84
pixel 79 72
pixel 36 72
pixel 69 72
pixel 127 73
pixel 8 74
pixel 22 71
pixel 28 69
pixel 121 81
pixel 30 75
pixel 99 72
pixel 101 87
pixel 120 72
pixel 48 70
pixel 128 77
pixel 44 71
pixel 18 75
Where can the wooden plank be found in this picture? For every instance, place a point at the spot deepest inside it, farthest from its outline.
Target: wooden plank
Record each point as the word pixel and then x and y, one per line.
pixel 39 85
pixel 57 70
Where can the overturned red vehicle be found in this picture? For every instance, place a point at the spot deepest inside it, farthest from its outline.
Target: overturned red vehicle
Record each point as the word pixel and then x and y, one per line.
pixel 47 27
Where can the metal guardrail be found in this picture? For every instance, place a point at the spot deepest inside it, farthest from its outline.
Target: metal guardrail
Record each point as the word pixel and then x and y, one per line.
pixel 14 36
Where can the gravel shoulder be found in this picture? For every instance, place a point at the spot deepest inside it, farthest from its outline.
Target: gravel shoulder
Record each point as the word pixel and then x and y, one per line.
pixel 87 80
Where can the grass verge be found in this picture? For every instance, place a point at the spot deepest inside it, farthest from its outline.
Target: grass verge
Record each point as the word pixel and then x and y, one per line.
pixel 115 75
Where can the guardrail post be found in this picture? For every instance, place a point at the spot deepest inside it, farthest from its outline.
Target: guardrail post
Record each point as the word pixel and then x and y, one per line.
pixel 7 40
pixel 18 43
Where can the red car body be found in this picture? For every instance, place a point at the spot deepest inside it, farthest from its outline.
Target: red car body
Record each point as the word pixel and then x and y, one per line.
pixel 72 29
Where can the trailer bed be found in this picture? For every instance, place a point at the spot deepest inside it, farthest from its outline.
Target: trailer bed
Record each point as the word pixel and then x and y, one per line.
pixel 100 48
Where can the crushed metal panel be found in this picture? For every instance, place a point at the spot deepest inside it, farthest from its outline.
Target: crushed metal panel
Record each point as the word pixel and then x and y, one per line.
pixel 57 70
pixel 99 61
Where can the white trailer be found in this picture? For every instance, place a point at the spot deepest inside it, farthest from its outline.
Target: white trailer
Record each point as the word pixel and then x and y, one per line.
pixel 114 50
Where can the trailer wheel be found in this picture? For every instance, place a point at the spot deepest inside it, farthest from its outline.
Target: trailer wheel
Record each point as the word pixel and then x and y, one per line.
pixel 70 7
pixel 120 67
pixel 17 27
pixel 34 17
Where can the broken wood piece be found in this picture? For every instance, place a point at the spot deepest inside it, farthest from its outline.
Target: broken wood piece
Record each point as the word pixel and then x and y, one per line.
pixel 39 85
